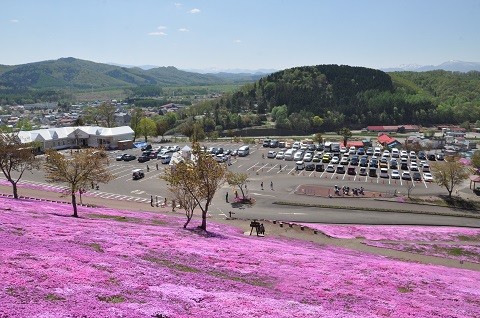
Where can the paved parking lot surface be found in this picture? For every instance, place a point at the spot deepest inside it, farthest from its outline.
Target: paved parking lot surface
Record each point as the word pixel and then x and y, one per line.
pixel 281 174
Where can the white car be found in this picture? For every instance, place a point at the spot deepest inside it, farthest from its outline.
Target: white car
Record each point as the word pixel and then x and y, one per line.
pixel 413 166
pixel 427 176
pixel 280 155
pixel 386 153
pixel 343 149
pixel 403 154
pixel 335 160
pixel 271 154
pixel 299 165
pixel 307 157
pixel 330 168
pixel 395 174
pixel 344 161
pixel 221 157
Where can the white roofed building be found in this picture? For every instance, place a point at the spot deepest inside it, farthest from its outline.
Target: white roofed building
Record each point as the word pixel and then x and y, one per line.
pixel 80 136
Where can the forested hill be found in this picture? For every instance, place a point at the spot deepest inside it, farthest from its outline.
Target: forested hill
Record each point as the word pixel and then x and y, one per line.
pixel 357 97
pixel 316 88
pixel 74 73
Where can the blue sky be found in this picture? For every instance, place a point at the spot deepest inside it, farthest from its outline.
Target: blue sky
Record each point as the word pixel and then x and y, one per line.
pixel 248 34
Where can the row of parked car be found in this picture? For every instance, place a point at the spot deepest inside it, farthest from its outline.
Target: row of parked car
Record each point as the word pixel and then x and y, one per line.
pixel 368 161
pixel 163 153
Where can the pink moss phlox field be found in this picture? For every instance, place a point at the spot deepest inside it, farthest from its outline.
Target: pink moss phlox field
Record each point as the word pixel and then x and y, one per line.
pixel 397 232
pixel 112 263
pixel 461 252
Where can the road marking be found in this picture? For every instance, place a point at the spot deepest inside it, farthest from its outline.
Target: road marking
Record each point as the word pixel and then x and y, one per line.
pixel 271 168
pixel 266 164
pixel 253 166
pixel 264 195
pixel 283 169
pixel 291 170
pixel 293 213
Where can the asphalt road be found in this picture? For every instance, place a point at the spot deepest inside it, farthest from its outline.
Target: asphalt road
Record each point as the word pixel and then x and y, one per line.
pixel 285 180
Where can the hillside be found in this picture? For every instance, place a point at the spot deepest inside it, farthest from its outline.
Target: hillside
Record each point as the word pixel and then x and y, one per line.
pixel 355 97
pixel 112 263
pixel 74 73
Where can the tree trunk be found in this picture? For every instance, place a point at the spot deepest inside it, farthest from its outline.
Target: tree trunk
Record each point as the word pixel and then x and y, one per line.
pixel 146 140
pixel 15 189
pixel 188 221
pixel 74 204
pixel 204 220
pixel 243 194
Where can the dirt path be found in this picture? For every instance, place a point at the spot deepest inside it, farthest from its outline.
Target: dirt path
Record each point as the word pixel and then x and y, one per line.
pixel 294 232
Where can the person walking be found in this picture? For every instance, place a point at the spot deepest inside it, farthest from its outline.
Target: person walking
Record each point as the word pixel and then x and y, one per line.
pixel 165 202
pixel 226 197
pixel 261 185
pixel 271 185
pixel 173 205
pixel 148 168
pixel 156 165
pixel 236 194
pixel 151 200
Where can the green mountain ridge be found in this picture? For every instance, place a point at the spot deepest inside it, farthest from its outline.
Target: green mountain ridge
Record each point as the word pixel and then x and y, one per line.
pixel 75 73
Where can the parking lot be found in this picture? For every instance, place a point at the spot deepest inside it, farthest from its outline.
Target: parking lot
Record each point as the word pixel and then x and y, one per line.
pixel 284 175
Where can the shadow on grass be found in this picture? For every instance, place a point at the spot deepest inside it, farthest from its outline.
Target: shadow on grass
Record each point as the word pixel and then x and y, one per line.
pixel 460 203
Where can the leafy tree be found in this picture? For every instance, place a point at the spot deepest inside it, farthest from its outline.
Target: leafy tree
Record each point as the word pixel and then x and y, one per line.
pixel 84 168
pixel 24 124
pixel 449 173
pixel 15 159
pixel 346 135
pixel 318 138
pixel 200 178
pixel 162 125
pixel 137 115
pixel 198 134
pixel 476 161
pixel 106 112
pixel 146 127
pixel 91 115
pixel 237 180
pixel 317 121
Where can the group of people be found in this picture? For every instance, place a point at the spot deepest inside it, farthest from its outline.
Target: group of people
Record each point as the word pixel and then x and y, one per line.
pixel 346 190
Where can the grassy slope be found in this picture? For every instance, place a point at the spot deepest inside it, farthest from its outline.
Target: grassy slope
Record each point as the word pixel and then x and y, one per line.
pixel 112 263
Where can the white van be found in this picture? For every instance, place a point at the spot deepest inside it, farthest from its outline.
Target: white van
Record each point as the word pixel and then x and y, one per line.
pixel 243 151
pixel 289 154
pixel 377 151
pixel 395 153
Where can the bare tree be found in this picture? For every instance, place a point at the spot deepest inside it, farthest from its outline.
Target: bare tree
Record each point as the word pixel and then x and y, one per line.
pixel 186 200
pixel 200 178
pixel 16 158
pixel 449 173
pixel 238 179
pixel 409 186
pixel 84 168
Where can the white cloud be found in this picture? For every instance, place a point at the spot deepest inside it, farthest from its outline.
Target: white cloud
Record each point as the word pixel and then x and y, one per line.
pixel 161 27
pixel 193 11
pixel 238 41
pixel 14 21
pixel 183 30
pixel 178 4
pixel 158 33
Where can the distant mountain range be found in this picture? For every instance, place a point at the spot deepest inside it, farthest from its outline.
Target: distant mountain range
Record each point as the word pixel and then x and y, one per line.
pixel 75 73
pixel 453 66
